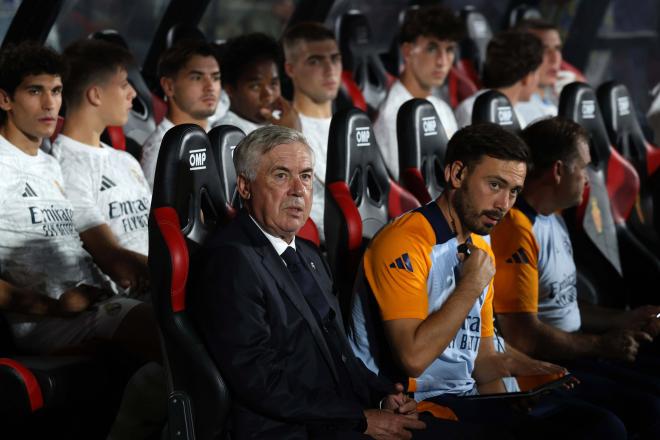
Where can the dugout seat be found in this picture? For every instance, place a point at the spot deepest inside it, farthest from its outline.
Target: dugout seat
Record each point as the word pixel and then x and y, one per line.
pixel 187 206
pixel 473 47
pixel 362 66
pixel 612 192
pixel 360 196
pixel 422 146
pixel 626 135
pixel 493 106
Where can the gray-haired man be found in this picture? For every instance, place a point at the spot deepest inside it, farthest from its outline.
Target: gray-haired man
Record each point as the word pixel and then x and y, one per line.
pixel 268 315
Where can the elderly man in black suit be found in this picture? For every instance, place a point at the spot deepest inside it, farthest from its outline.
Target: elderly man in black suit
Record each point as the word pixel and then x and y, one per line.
pixel 269 317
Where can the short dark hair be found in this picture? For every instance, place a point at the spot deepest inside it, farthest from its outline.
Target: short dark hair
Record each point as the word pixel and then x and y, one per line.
pixel 553 139
pixel 246 50
pixel 470 144
pixel 24 59
pixel 175 58
pixel 536 24
pixel 305 31
pixel 431 21
pixel 91 61
pixel 510 56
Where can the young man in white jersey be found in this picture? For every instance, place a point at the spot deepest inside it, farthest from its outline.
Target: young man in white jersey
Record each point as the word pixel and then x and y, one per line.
pixel 423 310
pixel 543 102
pixel 106 187
pixel 41 251
pixel 536 293
pixel 190 78
pixel 428 39
pixel 512 68
pixel 251 79
pixel 313 62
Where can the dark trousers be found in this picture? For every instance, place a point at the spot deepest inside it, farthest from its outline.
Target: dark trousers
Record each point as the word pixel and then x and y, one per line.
pixel 437 429
pixel 627 392
pixel 554 416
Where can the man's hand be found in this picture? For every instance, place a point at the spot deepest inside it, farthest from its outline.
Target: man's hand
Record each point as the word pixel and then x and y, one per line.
pixel 131 272
pixel 78 299
pixel 385 425
pixel 622 344
pixel 642 318
pixel 478 269
pixel 282 113
pixel 399 403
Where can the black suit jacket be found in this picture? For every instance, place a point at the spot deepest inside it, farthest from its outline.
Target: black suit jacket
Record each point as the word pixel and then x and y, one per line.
pixel 267 343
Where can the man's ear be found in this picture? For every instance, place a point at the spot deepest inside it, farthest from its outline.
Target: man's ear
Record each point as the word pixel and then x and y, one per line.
pixel 288 69
pixel 557 171
pixel 406 49
pixel 243 187
pixel 229 89
pixel 93 95
pixel 167 84
pixel 5 100
pixel 455 174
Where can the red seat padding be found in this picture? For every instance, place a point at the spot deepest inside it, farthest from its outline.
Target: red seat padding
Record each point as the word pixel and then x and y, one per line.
pixel 461 82
pixel 117 138
pixel 351 216
pixel 400 201
pixel 310 232
pixel 353 90
pixel 622 186
pixel 168 224
pixel 160 108
pixel 32 387
pixel 413 181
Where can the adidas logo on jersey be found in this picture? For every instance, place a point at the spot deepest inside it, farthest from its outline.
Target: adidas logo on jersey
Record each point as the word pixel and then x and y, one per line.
pixel 29 192
pixel 106 183
pixel 519 257
pixel 403 262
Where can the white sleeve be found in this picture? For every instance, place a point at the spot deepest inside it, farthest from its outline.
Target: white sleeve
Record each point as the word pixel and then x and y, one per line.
pixel 385 132
pixel 80 189
pixel 464 113
pixel 149 158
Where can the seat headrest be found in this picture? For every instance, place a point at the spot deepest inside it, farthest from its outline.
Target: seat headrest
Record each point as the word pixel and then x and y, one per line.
pixel 354 37
pixel 109 35
pixel 224 139
pixel 187 180
pixel 618 110
pixel 180 32
pixel 493 106
pixel 354 158
pixel 479 35
pixel 578 103
pixel 521 13
pixel 422 142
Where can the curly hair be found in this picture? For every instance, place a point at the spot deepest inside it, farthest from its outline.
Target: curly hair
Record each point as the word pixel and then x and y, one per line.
pixel 431 21
pixel 25 59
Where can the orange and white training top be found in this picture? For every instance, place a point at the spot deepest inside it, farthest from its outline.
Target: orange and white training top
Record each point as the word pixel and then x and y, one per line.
pixel 409 270
pixel 535 267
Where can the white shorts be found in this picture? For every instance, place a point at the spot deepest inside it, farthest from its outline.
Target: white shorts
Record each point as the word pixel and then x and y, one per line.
pixel 45 335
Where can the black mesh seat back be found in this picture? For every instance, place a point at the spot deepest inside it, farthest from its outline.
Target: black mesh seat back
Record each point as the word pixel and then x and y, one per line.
pixel 184 212
pixel 354 158
pixel 493 106
pixel 578 103
pixel 625 133
pixel 422 143
pixel 187 180
pixel 622 126
pixel 479 34
pixel 224 139
pixel 359 57
pixel 141 122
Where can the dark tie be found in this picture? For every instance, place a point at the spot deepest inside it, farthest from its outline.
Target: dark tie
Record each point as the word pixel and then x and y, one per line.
pixel 307 285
